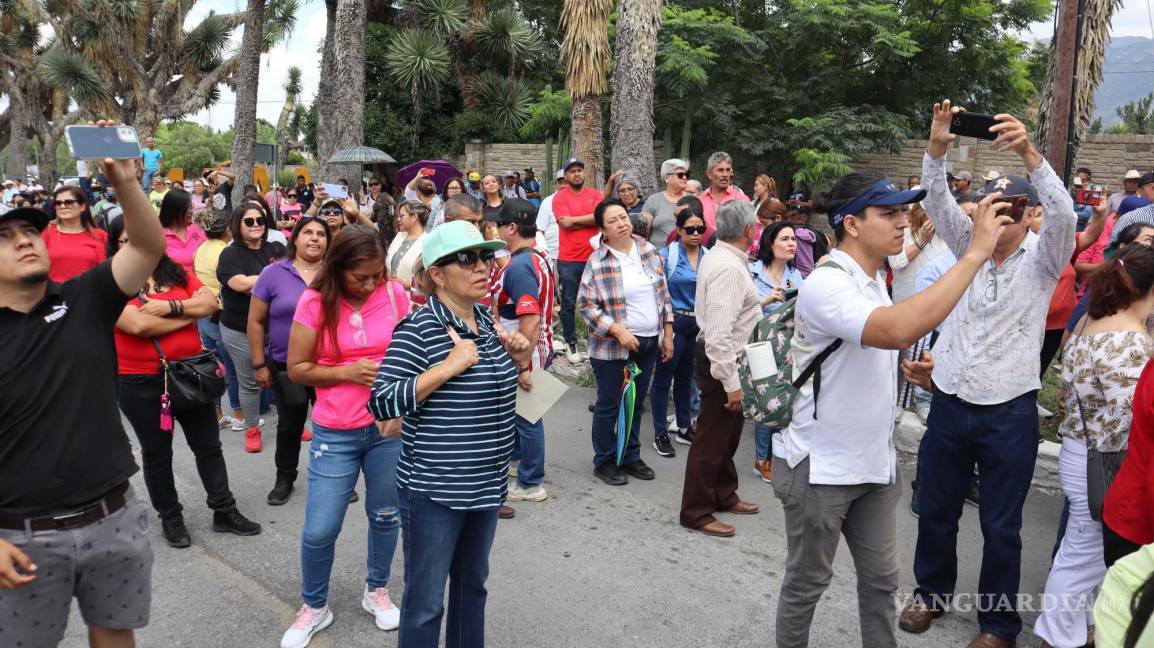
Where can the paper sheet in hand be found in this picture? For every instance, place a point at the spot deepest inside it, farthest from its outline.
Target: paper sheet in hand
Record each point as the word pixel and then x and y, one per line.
pixel 547 390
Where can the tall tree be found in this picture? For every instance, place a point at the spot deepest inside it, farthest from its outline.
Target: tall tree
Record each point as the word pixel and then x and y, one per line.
pixel 247 85
pixel 631 111
pixel 349 93
pixel 284 133
pixel 585 51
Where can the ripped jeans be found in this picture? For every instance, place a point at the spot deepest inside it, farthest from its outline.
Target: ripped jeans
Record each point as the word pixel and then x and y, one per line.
pixel 335 459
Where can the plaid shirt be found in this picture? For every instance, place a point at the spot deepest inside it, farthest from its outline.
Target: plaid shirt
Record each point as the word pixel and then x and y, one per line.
pixel 601 298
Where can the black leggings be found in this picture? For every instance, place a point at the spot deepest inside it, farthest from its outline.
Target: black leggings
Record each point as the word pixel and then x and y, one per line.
pixel 139 399
pixel 1051 344
pixel 290 424
pixel 1115 546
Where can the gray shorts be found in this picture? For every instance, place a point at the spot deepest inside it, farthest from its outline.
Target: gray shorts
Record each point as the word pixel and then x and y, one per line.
pixel 107 566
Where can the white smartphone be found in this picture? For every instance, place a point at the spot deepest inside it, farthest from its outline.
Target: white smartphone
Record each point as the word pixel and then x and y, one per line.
pixel 99 142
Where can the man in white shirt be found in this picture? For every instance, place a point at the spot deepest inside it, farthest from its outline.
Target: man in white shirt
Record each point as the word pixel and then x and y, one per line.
pixel 986 385
pixel 837 474
pixel 546 223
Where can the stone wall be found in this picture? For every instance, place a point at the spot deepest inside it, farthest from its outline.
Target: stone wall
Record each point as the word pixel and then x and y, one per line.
pixel 498 158
pixel 1108 156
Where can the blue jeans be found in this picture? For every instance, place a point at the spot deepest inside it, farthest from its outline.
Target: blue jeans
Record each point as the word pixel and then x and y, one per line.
pixel 763 440
pixel 444 544
pixel 335 459
pixel 210 338
pixel 569 277
pixel 1003 441
pixel 529 449
pixel 678 372
pixel 146 180
pixel 610 375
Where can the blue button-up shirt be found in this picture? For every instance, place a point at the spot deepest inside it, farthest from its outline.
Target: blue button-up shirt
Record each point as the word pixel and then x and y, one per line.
pixel 682 278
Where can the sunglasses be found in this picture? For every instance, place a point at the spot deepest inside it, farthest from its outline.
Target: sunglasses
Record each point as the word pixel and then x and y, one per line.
pixel 292 195
pixel 694 229
pixel 681 175
pixel 360 337
pixel 253 222
pixel 330 211
pixel 467 258
pixel 67 202
pixel 374 184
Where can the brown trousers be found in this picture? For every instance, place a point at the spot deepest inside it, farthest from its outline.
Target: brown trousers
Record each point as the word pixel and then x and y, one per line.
pixel 710 475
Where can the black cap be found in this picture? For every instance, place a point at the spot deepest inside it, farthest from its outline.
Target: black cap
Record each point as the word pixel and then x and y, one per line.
pixel 515 210
pixel 34 215
pixel 1012 185
pixel 572 163
pixel 1146 179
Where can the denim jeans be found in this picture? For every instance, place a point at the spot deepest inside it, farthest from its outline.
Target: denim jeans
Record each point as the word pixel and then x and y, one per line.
pixel 763 440
pixel 444 544
pixel 678 372
pixel 1002 440
pixel 569 277
pixel 529 449
pixel 210 338
pixel 610 375
pixel 335 459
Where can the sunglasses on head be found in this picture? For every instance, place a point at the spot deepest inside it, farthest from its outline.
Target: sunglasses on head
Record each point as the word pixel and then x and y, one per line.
pixel 467 258
pixel 67 202
pixel 694 229
pixel 253 222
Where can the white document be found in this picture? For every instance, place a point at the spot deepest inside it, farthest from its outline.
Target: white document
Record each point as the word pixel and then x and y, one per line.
pixel 762 364
pixel 547 390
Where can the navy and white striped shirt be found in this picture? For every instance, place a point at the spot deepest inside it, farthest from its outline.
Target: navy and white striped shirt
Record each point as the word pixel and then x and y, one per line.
pixel 456 444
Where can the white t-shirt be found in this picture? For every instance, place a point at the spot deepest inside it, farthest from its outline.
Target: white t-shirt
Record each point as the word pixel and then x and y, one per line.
pixel 641 313
pixel 547 225
pixel 851 440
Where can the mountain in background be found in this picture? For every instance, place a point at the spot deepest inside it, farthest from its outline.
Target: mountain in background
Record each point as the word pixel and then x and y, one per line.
pixel 1129 76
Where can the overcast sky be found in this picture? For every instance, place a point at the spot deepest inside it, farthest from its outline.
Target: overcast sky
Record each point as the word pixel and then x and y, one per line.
pixel 302 50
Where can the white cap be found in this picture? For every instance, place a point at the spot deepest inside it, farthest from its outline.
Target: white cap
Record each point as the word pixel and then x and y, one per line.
pixel 1077 181
pixel 991 175
pixel 560 174
pixel 1132 174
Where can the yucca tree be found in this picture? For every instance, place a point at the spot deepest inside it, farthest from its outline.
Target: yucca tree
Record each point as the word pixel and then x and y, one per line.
pixel 631 112
pixel 585 50
pixel 247 84
pixel 284 131
pixel 418 60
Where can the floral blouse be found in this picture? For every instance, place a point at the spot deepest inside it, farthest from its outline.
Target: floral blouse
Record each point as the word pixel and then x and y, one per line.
pixel 1102 369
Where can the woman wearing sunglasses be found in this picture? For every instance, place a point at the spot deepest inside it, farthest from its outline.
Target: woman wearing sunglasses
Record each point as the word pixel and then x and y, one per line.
pixel 659 208
pixel 452 374
pixel 74 242
pixel 680 259
pixel 270 316
pixel 342 327
pixel 239 267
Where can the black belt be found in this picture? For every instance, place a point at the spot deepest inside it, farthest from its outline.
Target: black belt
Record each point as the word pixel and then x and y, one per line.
pixel 98 510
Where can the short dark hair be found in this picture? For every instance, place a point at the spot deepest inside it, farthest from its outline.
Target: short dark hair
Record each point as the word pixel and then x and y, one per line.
pixel 599 210
pixel 238 215
pixel 692 206
pixel 765 245
pixel 684 215
pixel 1085 170
pixel 461 202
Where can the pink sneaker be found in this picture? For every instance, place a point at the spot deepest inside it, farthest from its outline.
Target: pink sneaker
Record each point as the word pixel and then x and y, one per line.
pixel 307 623
pixel 252 440
pixel 377 603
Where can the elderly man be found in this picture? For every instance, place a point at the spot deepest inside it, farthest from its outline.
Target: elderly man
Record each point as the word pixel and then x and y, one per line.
pixel 719 170
pixel 1129 188
pixel 659 208
pixel 728 309
pixel 511 188
pixel 463 207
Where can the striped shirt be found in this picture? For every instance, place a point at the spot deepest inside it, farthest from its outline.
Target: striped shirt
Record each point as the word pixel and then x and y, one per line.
pixel 1140 215
pixel 457 442
pixel 601 297
pixel 727 310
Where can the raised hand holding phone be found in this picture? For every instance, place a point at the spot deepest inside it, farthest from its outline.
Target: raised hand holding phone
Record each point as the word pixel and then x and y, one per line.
pixel 989 221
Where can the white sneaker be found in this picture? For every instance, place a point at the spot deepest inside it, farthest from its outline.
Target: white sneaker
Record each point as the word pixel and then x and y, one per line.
pixel 1044 413
pixel 559 346
pixel 228 421
pixel 377 603
pixel 531 494
pixel 308 622
pixel 575 357
pixel 238 425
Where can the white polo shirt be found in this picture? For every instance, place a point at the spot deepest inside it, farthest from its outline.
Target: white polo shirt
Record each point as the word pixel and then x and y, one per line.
pixel 851 440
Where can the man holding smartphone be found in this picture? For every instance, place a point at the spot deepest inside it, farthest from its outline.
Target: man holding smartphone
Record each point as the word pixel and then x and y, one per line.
pixel 984 408
pixel 68 514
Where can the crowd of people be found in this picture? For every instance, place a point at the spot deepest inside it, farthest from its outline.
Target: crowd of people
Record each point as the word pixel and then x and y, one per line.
pixel 392 334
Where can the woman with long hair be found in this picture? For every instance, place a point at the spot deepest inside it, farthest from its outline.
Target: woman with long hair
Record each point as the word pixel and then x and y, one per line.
pixel 764 188
pixel 270 316
pixel 164 315
pixel 921 246
pixel 238 269
pixel 73 240
pixel 454 187
pixel 405 248
pixel 342 327
pixel 491 197
pixel 183 235
pixel 1101 365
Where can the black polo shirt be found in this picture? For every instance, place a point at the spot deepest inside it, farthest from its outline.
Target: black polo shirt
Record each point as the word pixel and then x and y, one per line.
pixel 61 441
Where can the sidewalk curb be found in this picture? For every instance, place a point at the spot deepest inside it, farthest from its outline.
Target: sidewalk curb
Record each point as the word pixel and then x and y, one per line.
pixel 908 436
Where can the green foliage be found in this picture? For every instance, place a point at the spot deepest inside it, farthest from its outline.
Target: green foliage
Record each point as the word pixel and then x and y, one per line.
pixel 206 43
pixel 419 61
pixel 504 39
pixel 69 70
pixel 505 98
pixel 441 16
pixel 548 115
pixel 1137 117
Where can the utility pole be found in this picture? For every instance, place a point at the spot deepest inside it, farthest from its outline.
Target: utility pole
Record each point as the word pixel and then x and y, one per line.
pixel 1059 135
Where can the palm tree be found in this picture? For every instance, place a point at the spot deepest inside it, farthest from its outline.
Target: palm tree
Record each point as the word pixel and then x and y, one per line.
pixel 419 61
pixel 585 50
pixel 244 112
pixel 631 112
pixel 292 91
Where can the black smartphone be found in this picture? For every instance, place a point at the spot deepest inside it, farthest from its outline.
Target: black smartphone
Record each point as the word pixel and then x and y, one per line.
pixel 99 142
pixel 1017 206
pixel 973 125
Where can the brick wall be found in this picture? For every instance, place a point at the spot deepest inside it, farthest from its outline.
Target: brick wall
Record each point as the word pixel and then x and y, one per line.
pixel 1108 156
pixel 498 158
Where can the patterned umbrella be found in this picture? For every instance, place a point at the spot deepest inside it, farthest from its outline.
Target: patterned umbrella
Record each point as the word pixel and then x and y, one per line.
pixel 625 409
pixel 442 173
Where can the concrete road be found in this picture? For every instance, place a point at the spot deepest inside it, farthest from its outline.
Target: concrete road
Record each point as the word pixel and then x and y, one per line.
pixel 591 566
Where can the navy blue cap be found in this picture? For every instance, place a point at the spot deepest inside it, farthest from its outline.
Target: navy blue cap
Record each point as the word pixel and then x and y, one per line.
pixel 882 194
pixel 572 163
pixel 1012 185
pixel 1130 203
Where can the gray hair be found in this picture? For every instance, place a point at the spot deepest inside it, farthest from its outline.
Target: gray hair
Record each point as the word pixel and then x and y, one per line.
pixel 457 206
pixel 716 159
pixel 670 166
pixel 627 179
pixel 693 184
pixel 732 219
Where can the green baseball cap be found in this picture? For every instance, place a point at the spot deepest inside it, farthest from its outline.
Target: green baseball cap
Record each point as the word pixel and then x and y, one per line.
pixel 451 238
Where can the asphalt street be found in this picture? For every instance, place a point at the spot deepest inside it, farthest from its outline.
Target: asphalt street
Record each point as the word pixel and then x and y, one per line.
pixel 591 566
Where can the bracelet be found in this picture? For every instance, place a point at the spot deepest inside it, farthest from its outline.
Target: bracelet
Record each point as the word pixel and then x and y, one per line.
pixel 256 367
pixel 172 308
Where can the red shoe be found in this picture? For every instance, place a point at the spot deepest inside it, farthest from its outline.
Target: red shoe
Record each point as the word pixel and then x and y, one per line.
pixel 307 435
pixel 252 439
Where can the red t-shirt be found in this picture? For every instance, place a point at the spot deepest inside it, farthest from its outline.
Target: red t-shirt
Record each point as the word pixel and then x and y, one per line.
pixel 1129 506
pixel 136 355
pixel 1063 301
pixel 573 244
pixel 73 253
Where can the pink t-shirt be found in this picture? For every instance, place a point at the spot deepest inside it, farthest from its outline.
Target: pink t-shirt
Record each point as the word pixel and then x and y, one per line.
pixel 183 252
pixel 342 406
